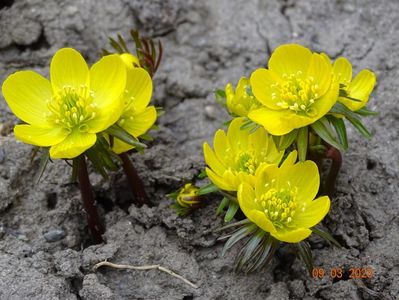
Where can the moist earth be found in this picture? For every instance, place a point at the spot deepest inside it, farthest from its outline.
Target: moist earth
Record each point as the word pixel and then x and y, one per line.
pixel 44 249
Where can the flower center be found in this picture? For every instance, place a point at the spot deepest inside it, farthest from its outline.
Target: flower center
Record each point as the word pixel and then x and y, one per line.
pixel 297 93
pixel 71 108
pixel 279 204
pixel 246 162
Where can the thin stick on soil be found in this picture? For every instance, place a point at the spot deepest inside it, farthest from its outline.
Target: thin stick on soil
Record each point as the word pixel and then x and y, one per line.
pixel 90 208
pixel 134 181
pixel 144 268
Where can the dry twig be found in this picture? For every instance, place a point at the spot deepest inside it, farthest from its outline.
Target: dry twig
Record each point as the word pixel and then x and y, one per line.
pixel 144 268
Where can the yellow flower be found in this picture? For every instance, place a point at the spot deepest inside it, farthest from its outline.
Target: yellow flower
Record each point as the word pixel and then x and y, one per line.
pixel 238 155
pixel 239 102
pixel 137 117
pixel 359 88
pixel 66 113
pixel 188 196
pixel 281 199
pixel 296 90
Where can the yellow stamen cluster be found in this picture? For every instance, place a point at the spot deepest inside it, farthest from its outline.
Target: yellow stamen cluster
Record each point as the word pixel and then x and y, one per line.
pixel 128 107
pixel 246 162
pixel 297 93
pixel 72 108
pixel 279 205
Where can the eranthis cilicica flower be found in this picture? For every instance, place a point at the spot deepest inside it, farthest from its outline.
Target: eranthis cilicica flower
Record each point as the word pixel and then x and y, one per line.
pixel 356 91
pixel 240 102
pixel 238 154
pixel 297 89
pixel 68 111
pixel 137 117
pixel 281 200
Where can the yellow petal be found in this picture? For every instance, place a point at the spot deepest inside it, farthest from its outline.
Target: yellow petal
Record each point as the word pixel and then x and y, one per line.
pixel 43 137
pixel 289 161
pixel 73 145
pixel 68 68
pixel 26 93
pixel 107 82
pixel 246 200
pixel 292 236
pixel 360 88
pixel 313 214
pixel 212 161
pixel 219 181
pixel 289 59
pixel 326 102
pixel 274 121
pixel 343 70
pixel 221 145
pixel 326 58
pixel 321 71
pixel 305 176
pixel 130 60
pixel 265 176
pixel 139 87
pixel 262 81
pixel 237 137
pixel 138 124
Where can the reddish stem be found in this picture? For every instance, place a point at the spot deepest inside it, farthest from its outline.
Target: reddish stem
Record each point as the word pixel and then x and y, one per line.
pixel 89 205
pixel 135 182
pixel 336 163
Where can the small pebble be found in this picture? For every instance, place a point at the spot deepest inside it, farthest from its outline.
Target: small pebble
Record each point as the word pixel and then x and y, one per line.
pixel 210 112
pixel 54 235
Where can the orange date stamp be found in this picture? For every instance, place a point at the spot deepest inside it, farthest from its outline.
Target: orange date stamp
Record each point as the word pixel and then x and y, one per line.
pixel 341 273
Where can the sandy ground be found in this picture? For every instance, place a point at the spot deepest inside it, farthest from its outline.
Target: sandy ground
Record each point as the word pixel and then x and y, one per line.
pixel 44 252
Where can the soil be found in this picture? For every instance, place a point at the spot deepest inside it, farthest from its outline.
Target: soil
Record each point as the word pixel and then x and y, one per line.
pixel 44 249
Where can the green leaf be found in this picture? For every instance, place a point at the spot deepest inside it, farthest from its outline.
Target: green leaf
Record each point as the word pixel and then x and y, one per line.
pixel 248 250
pixel 146 137
pixel 324 130
pixel 222 205
pixel 325 235
pixel 44 158
pixel 284 141
pixel 220 97
pixel 97 162
pixel 267 251
pixel 123 135
pixel 340 129
pixel 122 43
pixel 248 124
pixel 237 236
pixel 302 143
pixel 305 254
pixel 207 189
pixel 173 195
pixel 231 225
pixel 351 117
pixel 364 111
pixel 231 211
pixel 202 175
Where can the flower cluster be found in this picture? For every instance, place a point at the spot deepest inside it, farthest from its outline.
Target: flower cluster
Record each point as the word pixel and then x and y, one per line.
pixel 292 110
pixel 99 112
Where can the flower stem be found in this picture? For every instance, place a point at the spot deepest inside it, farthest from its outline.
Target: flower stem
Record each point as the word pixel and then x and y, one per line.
pixel 135 182
pixel 336 162
pixel 89 205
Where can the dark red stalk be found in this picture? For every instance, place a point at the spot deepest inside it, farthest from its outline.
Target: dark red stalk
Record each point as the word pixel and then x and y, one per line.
pixel 134 181
pixel 336 163
pixel 93 220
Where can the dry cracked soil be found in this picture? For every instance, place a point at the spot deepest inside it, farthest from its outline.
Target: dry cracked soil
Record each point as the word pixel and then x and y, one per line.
pixel 44 250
